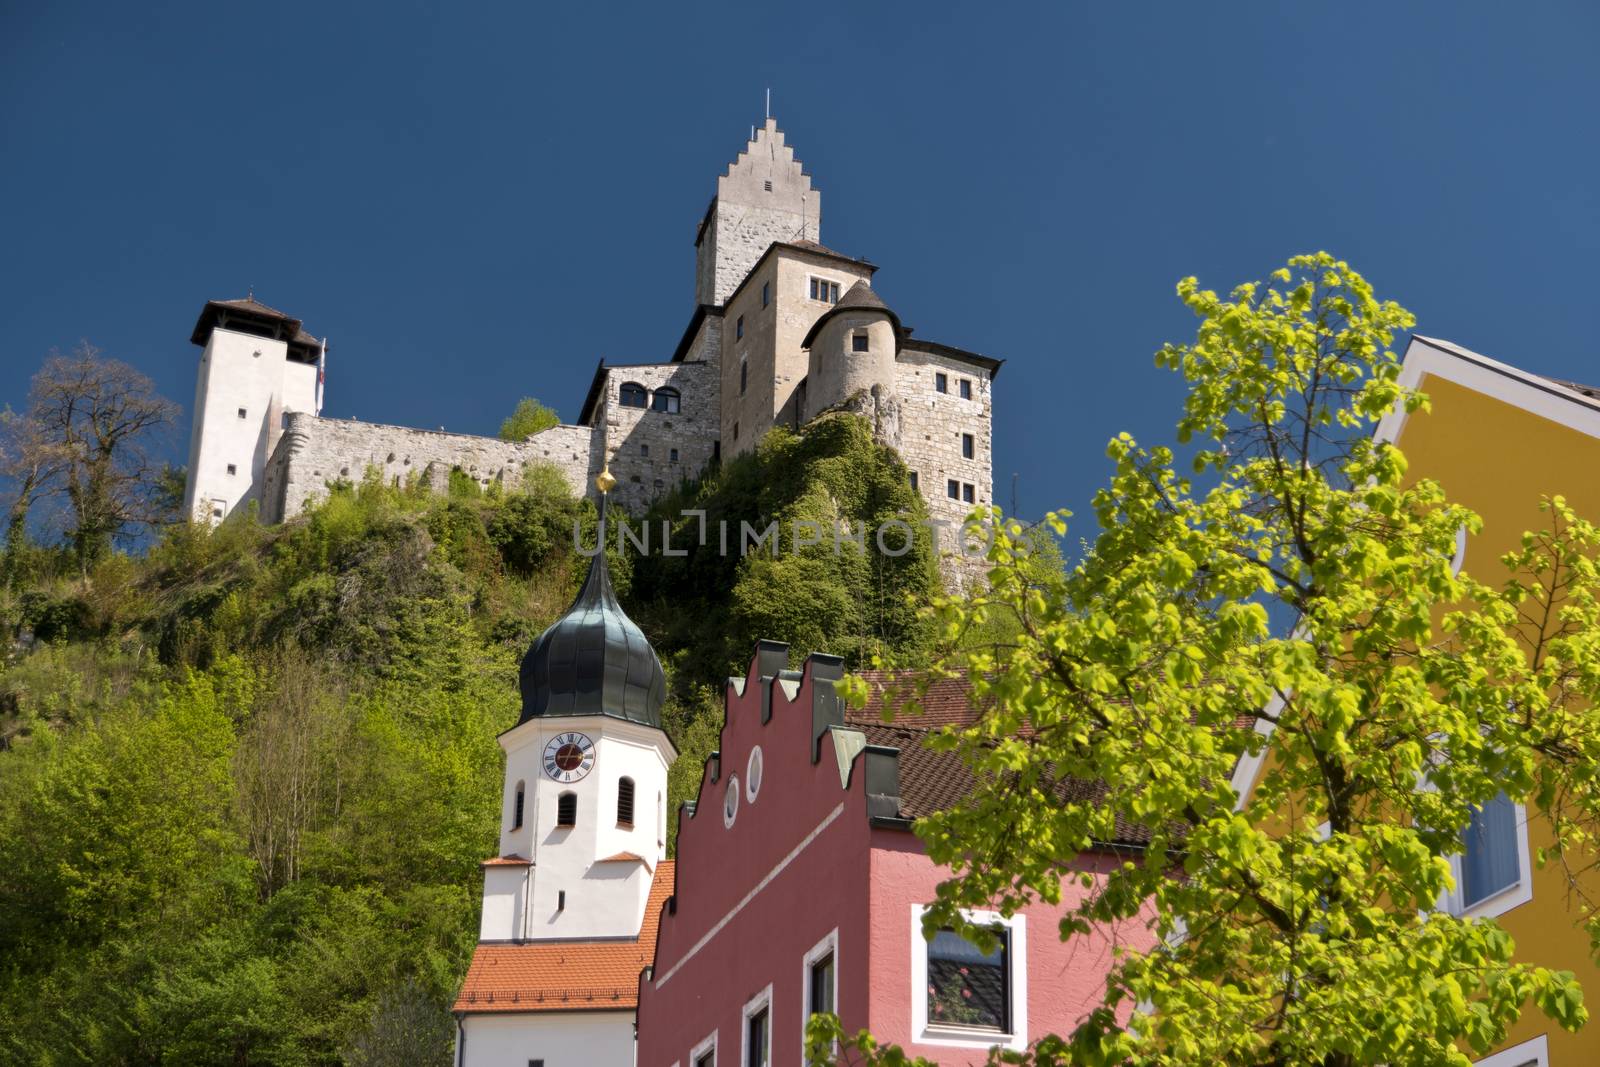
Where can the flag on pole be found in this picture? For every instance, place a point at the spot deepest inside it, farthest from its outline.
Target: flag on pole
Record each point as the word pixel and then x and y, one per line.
pixel 322 373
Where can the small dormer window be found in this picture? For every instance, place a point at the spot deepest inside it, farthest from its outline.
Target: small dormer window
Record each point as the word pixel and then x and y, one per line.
pixel 858 341
pixel 824 290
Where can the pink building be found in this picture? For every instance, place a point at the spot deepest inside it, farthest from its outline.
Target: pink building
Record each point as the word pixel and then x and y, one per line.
pixel 800 888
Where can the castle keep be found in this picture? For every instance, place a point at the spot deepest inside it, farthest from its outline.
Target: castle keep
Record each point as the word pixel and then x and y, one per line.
pixel 783 329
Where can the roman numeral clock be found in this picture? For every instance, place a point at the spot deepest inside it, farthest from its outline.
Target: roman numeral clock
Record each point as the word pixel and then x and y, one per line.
pixel 569 757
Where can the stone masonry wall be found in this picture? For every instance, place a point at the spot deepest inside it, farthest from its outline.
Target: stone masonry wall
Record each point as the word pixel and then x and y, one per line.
pixel 927 434
pixel 651 451
pixel 315 452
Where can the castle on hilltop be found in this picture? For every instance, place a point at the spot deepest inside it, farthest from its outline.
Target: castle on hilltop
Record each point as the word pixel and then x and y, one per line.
pixel 783 329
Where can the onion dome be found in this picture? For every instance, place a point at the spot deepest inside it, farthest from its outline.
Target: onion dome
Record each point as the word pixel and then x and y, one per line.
pixel 594 660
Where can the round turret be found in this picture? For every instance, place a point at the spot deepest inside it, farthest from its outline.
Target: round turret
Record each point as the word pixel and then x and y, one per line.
pixel 852 349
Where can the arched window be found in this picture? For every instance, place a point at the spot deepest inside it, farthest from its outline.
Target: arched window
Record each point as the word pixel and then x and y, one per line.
pixel 567 809
pixel 516 808
pixel 744 376
pixel 625 802
pixel 666 399
pixel 633 395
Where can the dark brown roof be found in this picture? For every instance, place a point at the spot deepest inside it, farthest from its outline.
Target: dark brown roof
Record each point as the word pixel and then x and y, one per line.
pixel 988 363
pixel 858 297
pixel 566 975
pixel 286 327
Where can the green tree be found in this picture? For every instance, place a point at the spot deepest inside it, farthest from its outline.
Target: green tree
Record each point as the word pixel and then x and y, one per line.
pixel 1299 580
pixel 527 419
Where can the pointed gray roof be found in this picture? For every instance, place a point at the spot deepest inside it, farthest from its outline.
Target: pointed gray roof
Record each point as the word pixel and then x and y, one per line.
pixel 859 297
pixel 594 660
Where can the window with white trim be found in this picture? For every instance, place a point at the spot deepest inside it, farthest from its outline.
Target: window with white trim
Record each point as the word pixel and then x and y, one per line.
pixel 819 982
pixel 965 997
pixel 824 290
pixel 1493 873
pixel 756 1042
pixel 705 1053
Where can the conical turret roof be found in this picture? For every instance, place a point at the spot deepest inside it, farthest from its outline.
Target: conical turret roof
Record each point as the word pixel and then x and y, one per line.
pixel 594 660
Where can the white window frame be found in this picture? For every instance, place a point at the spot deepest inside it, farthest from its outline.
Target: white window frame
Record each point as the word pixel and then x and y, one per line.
pixel 1535 1052
pixel 829 945
pixel 838 287
pixel 761 1000
pixel 1517 893
pixel 1017 961
pixel 707 1044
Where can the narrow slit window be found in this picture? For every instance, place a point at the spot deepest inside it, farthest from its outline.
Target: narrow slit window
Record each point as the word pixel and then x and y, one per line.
pixel 766 293
pixel 968 446
pixel 744 376
pixel 625 802
pixel 517 806
pixel 738 329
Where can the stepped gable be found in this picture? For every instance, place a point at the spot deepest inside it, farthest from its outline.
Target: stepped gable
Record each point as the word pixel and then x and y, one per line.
pixel 566 975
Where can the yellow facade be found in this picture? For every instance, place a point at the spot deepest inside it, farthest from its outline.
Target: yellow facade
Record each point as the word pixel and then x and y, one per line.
pixel 1498 440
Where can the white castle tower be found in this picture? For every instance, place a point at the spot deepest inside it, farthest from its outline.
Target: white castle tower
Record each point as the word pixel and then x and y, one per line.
pixel 258 364
pixel 571 903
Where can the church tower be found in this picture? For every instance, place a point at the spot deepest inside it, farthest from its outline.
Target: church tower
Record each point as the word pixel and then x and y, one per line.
pixel 764 197
pixel 572 900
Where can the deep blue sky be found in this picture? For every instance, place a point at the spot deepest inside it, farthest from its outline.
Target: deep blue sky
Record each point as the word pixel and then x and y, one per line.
pixel 476 202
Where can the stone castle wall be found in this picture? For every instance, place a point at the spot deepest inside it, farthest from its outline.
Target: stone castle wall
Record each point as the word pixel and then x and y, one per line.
pixel 316 452
pixel 650 451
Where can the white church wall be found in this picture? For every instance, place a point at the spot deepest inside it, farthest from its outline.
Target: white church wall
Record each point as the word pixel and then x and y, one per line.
pixel 560 1039
pixel 505 899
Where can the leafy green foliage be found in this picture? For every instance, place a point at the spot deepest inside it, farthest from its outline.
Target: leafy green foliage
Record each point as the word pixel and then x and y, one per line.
pixel 1400 697
pixel 527 419
pixel 246 780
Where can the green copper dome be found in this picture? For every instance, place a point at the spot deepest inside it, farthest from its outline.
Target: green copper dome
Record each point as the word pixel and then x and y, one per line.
pixel 594 660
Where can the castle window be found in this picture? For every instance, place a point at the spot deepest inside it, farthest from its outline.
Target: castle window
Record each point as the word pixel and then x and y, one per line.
pixel 666 399
pixel 625 802
pixel 952 489
pixel 673 456
pixel 738 329
pixel 966 389
pixel 243 414
pixel 567 809
pixel 858 341
pixel 517 806
pixel 644 450
pixel 913 479
pixel 766 293
pixel 735 431
pixel 232 469
pixel 744 376
pixel 824 290
pixel 966 492
pixel 941 383
pixel 633 395
pixel 968 446
pixel 767 186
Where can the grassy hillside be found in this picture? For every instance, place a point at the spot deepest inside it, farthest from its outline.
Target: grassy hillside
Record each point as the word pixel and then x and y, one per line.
pixel 247 777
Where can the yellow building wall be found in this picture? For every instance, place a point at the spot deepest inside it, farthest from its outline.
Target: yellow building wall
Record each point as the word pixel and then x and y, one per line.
pixel 1500 461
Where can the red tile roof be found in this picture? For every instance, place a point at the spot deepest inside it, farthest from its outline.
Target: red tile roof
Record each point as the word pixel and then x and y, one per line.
pixel 512 860
pixel 626 857
pixel 947 702
pixel 566 975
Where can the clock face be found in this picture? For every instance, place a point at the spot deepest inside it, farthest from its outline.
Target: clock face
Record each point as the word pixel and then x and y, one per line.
pixel 568 757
